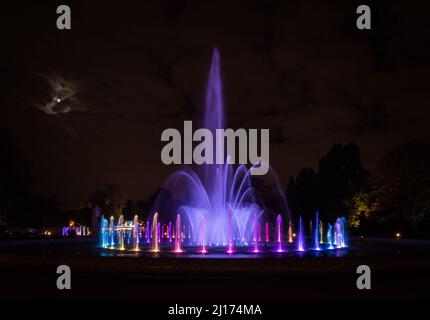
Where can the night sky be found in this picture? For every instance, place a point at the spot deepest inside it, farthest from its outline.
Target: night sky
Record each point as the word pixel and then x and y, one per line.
pixel 130 69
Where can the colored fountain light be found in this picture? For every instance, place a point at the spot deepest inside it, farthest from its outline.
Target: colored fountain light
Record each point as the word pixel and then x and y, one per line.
pixel 202 235
pixel 290 232
pixel 216 205
pixel 316 233
pixel 136 233
pixel 279 233
pixel 330 236
pixel 256 233
pixel 321 232
pixel 155 243
pixel 178 240
pixel 230 245
pixel 300 240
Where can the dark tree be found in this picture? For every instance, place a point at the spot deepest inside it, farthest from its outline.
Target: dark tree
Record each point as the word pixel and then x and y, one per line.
pixel 15 180
pixel 302 193
pixel 341 177
pixel 402 184
pixel 111 199
pixel 337 189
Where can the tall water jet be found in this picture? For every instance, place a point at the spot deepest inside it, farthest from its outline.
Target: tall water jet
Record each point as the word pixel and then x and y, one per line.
pixel 202 234
pixel 121 232
pixel 290 232
pixel 300 238
pixel 155 235
pixel 338 233
pixel 136 233
pixel 334 235
pixel 112 230
pixel 127 231
pixel 169 231
pixel 147 231
pixel 178 238
pixel 339 228
pixel 104 232
pixel 330 236
pixel 256 228
pixel 316 232
pixel 279 233
pixel 230 234
pixel 267 231
pixel 321 232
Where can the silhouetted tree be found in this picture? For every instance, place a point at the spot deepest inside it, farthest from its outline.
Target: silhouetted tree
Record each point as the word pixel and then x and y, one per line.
pixel 341 177
pixel 337 189
pixel 302 193
pixel 111 199
pixel 401 188
pixel 19 205
pixel 15 179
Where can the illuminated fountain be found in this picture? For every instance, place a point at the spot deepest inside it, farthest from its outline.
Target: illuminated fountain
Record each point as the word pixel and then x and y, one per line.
pixel 300 240
pixel 178 239
pixel 104 232
pixel 136 233
pixel 290 232
pixel 256 233
pixel 316 233
pixel 120 232
pixel 330 236
pixel 126 235
pixel 202 234
pixel 279 233
pixel 230 245
pixel 155 234
pixel 216 207
pixel 339 228
pixel 321 232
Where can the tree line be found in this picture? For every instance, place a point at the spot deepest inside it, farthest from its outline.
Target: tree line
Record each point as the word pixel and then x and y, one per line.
pixel 396 197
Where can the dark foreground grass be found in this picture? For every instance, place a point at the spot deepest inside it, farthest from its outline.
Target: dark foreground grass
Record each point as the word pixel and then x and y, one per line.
pixel 400 270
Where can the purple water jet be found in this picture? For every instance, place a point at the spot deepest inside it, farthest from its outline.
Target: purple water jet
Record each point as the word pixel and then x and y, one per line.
pixel 154 233
pixel 279 233
pixel 316 232
pixel 300 238
pixel 202 234
pixel 178 239
pixel 256 235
